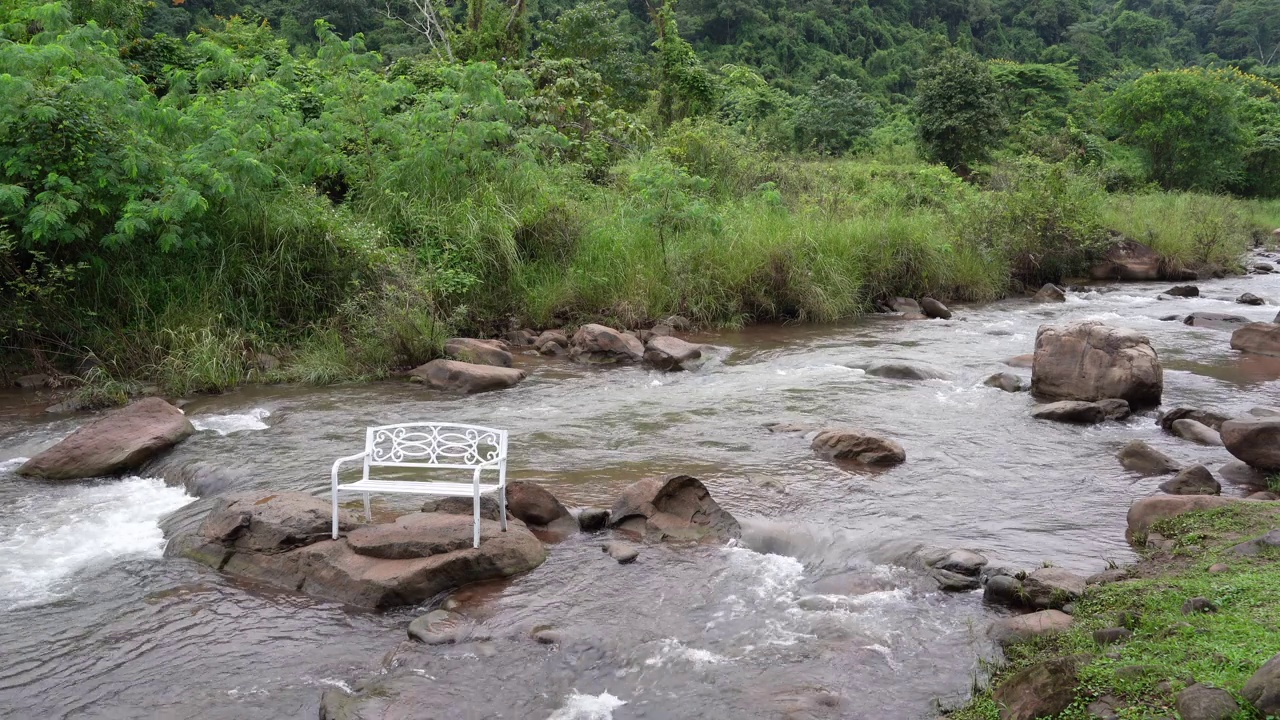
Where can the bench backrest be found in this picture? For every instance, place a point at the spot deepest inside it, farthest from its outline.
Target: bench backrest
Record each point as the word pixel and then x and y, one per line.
pixel 435 445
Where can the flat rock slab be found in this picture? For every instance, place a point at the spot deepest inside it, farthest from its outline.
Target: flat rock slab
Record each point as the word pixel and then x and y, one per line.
pixel 678 508
pixel 115 443
pixel 1071 411
pixel 1216 321
pixel 905 371
pixel 271 522
pixel 417 535
pixel 468 378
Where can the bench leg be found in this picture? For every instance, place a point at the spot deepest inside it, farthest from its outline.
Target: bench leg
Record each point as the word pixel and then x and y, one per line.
pixel 502 507
pixel 334 495
pixel 368 516
pixel 476 507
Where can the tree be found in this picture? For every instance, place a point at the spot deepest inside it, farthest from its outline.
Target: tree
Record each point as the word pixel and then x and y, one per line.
pixel 1187 124
pixel 685 88
pixel 835 116
pixel 958 110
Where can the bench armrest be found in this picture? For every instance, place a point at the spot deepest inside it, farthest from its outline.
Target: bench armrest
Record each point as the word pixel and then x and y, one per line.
pixel 339 461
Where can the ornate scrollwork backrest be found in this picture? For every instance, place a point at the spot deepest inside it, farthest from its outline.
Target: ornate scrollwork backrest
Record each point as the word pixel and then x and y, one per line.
pixel 435 444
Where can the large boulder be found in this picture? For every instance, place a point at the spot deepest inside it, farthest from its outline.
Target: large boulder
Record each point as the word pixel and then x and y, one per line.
pixel 858 446
pixel 934 309
pixel 1019 628
pixel 1195 480
pixel 283 539
pixel 1128 260
pixel 534 505
pixel 1145 512
pixel 1202 702
pixel 599 344
pixel 1215 321
pixel 1044 689
pixel 115 443
pixel 671 353
pixel 1263 689
pixel 457 376
pixel 1255 440
pixel 479 352
pixel 1143 459
pixel 1093 361
pixel 678 508
pixel 1258 338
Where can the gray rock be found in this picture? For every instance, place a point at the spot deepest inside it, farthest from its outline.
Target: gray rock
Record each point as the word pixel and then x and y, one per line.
pixel 1011 630
pixel 1198 605
pixel 1071 411
pixel 934 309
pixel 1195 432
pixel 1183 291
pixel 1216 321
pixel 670 353
pixel 1006 381
pixel 679 323
pixel 547 636
pixel 1115 408
pixel 1004 590
pixel 551 336
pixel 1250 299
pixel 905 371
pixel 467 378
pixel 1128 260
pixel 1262 690
pixel 903 305
pixel 1255 440
pixel 1204 417
pixel 1201 702
pixel 115 443
pixel 623 552
pixel 31 382
pixel 1021 361
pixel 440 627
pixel 1219 568
pixel 1264 496
pixel 964 562
pixel 1052 587
pixel 597 344
pixel 678 508
pixel 478 352
pixel 1091 361
pixel 463 506
pixel 857 446
pixel 1049 293
pixel 592 519
pixel 1111 636
pixel 1104 708
pixel 1195 480
pixel 949 581
pixel 1239 473
pixel 1270 541
pixel 1139 457
pixel 1109 575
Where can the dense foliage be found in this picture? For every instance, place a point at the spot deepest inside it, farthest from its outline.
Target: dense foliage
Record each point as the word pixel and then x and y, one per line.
pixel 183 189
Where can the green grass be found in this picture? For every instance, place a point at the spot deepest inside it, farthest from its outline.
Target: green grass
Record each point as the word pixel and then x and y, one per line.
pixel 1168 648
pixel 1187 230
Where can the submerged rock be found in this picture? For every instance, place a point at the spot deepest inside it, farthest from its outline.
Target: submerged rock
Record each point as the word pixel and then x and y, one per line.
pixel 1195 480
pixel 1049 293
pixel 1257 339
pixel 903 305
pixel 1250 299
pixel 1255 440
pixel 858 446
pixel 115 443
pixel 468 378
pixel 1216 321
pixel 1071 411
pixel 1092 361
pixel 282 539
pixel 1183 291
pixel 1139 457
pixel 440 627
pixel 624 553
pixel 1204 417
pixel 478 352
pixel 592 519
pixel 1006 381
pixel 678 508
pixel 600 344
pixel 905 371
pixel 1196 432
pixel 670 353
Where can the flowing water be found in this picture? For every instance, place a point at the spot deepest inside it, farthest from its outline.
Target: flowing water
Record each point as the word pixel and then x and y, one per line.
pixel 806 617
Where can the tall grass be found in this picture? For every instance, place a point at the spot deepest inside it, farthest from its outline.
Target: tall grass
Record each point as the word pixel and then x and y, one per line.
pixel 1187 230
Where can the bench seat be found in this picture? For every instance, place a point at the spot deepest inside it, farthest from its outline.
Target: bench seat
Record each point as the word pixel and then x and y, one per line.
pixel 417 487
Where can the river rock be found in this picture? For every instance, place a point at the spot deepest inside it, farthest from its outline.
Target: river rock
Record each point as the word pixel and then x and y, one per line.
pixel 1201 702
pixel 903 305
pixel 1263 268
pixel 551 336
pixel 1256 546
pixel 905 371
pixel 600 344
pixel 1262 690
pixel 1012 630
pixel 1139 457
pixel 1263 496
pixel 282 539
pixel 1071 411
pixel 1052 587
pixel 478 352
pixel 1255 440
pixel 934 309
pixel 624 553
pixel 1183 291
pixel 1115 408
pixel 1215 321
pixel 520 338
pixel 1250 299
pixel 1043 689
pixel 463 506
pixel 671 353
pixel 1195 480
pixel 534 505
pixel 1092 361
pixel 1049 293
pixel 1204 417
pixel 1258 338
pixel 678 508
pixel 1127 260
pixel 1240 473
pixel 1112 635
pixel 592 519
pixel 1006 381
pixel 858 446
pixel 1195 432
pixel 439 627
pixel 1021 361
pixel 31 382
pixel 1146 511
pixel 468 378
pixel 115 443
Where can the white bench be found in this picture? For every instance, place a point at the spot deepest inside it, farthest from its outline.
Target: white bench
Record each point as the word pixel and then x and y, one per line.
pixel 434 446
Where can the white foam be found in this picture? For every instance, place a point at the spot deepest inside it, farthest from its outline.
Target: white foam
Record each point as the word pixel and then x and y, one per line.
pixel 227 424
pixel 674 650
pixel 56 531
pixel 588 707
pixel 11 464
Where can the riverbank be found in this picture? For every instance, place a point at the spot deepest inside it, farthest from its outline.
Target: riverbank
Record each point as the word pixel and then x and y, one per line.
pixel 1141 638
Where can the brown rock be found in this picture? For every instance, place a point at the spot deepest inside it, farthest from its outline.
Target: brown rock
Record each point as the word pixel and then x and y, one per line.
pixel 1195 480
pixel 264 521
pixel 670 353
pixel 934 309
pixel 1128 260
pixel 600 344
pixel 1262 690
pixel 551 336
pixel 1146 511
pixel 1207 418
pixel 1011 630
pixel 1092 361
pixel 676 508
pixel 1201 702
pixel 1071 411
pixel 478 352
pixel 1049 293
pixel 1052 587
pixel 1255 440
pixel 1021 361
pixel 1258 339
pixel 1005 381
pixel 533 504
pixel 457 376
pixel 1143 459
pixel 1250 299
pixel 1195 432
pixel 858 446
pixel 417 535
pixel 1043 689
pixel 1183 291
pixel 115 443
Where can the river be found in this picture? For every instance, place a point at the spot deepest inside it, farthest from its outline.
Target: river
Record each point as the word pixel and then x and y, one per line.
pixel 96 623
